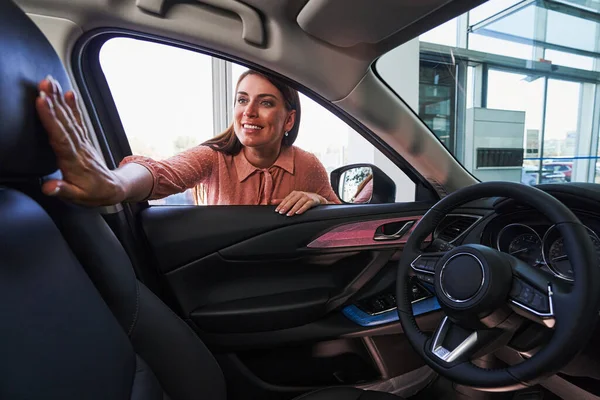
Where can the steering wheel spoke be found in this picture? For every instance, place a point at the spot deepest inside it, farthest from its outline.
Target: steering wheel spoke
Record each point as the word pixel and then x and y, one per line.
pixel 534 293
pixel 423 266
pixel 532 303
pixel 443 351
pixel 452 343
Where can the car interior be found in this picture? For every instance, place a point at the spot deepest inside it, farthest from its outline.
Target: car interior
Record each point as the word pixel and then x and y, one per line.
pixel 472 290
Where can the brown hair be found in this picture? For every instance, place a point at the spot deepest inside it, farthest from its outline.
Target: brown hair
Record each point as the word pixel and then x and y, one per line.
pixel 228 143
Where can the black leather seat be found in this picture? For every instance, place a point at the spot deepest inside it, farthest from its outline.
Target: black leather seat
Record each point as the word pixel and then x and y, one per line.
pixel 76 323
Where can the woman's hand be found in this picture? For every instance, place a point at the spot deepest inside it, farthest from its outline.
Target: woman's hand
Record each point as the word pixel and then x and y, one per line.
pixel 298 202
pixel 86 179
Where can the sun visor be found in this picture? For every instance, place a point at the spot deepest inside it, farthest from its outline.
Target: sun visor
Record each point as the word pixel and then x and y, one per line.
pixel 367 21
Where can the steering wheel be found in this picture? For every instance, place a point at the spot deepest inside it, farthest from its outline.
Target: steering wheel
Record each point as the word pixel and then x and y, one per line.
pixel 487 295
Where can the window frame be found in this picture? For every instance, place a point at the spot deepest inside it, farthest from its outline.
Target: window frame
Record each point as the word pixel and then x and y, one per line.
pixel 112 138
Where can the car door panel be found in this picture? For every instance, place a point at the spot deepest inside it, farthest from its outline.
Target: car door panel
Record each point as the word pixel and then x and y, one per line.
pixel 180 234
pixel 262 289
pixel 214 280
pixel 248 269
pixel 263 313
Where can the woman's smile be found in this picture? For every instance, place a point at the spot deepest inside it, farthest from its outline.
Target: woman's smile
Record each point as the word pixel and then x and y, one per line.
pixel 250 129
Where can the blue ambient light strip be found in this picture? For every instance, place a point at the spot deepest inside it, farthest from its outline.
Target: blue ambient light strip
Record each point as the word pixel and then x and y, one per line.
pixel 362 318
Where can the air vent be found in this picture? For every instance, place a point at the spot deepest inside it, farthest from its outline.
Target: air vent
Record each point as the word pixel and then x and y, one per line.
pixel 453 226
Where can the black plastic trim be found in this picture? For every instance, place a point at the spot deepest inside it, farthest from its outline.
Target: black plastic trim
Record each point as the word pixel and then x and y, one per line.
pixel 264 313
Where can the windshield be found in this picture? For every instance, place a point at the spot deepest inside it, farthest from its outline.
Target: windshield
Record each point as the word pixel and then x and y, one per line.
pixel 510 88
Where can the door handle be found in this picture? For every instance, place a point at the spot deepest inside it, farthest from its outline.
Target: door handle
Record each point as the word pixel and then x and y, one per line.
pixel 380 234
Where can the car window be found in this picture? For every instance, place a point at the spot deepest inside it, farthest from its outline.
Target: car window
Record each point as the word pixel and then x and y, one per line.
pixel 171 99
pixel 510 88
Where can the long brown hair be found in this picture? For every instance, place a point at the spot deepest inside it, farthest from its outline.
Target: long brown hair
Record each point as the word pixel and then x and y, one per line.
pixel 228 143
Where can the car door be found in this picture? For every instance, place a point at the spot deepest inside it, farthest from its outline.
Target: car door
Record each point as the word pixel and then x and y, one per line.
pixel 286 304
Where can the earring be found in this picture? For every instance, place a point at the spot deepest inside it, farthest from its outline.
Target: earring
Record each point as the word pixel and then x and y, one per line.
pixel 287 134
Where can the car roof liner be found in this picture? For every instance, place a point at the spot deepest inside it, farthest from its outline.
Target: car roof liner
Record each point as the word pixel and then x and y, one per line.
pixel 390 21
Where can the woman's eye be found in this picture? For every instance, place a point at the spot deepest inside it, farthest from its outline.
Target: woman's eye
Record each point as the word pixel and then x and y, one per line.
pixel 267 103
pixel 241 100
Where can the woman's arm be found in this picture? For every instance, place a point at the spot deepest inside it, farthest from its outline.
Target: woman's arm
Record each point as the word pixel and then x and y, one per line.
pixel 136 180
pixel 175 174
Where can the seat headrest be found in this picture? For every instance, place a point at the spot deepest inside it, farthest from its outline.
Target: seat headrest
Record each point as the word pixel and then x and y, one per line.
pixel 26 58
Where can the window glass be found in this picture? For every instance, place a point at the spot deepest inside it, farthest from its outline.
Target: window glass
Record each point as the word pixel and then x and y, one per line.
pixel 504 106
pixel 489 9
pixel 569 60
pixel 495 36
pixel 571 32
pixel 562 112
pixel 161 116
pixel 165 116
pixel 502 87
pixel 501 90
pixel 470 86
pixel 501 47
pixel 561 139
pixel 445 34
pixel 597 164
pixel 591 5
pixel 519 24
pixel 436 99
pixel 167 103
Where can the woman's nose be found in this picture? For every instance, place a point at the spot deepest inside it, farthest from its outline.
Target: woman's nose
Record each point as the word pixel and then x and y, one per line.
pixel 250 110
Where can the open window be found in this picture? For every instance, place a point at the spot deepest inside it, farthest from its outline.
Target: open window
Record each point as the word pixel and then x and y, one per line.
pixel 170 99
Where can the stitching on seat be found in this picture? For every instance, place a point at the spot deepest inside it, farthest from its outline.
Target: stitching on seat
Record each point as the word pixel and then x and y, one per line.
pixel 137 308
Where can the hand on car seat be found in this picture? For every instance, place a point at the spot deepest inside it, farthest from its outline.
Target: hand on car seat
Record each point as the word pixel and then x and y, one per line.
pixel 86 179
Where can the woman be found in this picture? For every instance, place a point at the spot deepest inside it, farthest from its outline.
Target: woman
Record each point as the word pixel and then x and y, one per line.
pixel 252 162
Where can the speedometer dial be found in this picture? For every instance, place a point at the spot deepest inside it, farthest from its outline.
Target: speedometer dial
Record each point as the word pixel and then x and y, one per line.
pixel 555 256
pixel 527 247
pixel 559 262
pixel 521 241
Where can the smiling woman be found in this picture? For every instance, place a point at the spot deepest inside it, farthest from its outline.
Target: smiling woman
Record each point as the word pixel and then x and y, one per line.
pixel 253 162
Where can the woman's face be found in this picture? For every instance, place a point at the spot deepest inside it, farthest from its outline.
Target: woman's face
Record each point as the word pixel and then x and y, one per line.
pixel 260 115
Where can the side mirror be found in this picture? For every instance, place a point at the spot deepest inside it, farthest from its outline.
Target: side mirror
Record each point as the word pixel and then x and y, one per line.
pixel 363 183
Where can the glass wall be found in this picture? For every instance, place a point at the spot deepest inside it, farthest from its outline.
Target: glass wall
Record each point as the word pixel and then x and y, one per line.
pixel 502 86
pixel 437 91
pixel 514 77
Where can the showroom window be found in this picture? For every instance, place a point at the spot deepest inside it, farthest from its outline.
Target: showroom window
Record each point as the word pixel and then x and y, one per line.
pixel 515 96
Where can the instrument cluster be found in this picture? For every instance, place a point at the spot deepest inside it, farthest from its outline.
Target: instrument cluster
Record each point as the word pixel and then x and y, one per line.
pixel 540 246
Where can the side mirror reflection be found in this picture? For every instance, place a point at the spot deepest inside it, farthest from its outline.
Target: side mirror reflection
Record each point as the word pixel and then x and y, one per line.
pixel 356 185
pixel 363 183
